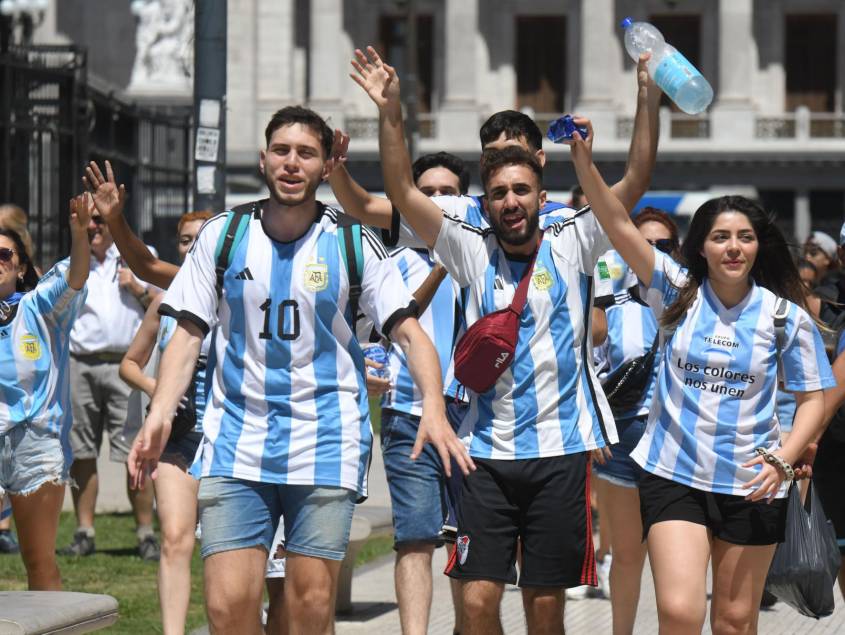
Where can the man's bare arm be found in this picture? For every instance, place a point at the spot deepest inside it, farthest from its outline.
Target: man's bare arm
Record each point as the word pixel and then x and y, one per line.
pixel 380 82
pixel 110 199
pixel 642 153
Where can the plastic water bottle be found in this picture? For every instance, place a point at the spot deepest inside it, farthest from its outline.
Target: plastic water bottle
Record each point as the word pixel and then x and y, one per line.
pixel 673 72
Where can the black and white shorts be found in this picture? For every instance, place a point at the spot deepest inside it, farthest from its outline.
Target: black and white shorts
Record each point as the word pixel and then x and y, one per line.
pixel 544 504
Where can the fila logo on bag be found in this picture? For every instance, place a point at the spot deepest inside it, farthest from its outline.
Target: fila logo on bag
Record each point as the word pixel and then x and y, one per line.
pixel 462 544
pixel 501 359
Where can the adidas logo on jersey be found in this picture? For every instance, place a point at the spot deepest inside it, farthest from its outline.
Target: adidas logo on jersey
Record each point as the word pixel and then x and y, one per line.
pixel 246 274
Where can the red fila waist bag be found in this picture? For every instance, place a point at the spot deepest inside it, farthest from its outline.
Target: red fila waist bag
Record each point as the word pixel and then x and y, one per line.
pixel 487 348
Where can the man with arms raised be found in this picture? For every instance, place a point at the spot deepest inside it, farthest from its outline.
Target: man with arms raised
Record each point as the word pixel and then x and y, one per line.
pixel 531 433
pixel 286 429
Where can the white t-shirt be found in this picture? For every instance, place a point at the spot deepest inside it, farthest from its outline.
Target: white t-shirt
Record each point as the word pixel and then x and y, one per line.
pixel 288 402
pixel 111 316
pixel 549 401
pixel 715 398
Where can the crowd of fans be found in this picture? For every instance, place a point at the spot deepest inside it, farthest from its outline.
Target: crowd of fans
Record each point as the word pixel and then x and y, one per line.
pixel 252 356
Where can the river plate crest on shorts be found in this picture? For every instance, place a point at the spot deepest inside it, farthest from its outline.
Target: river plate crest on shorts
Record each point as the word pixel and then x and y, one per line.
pixel 316 276
pixel 462 543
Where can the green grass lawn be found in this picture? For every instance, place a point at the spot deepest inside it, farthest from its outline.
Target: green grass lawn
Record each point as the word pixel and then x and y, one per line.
pixel 117 570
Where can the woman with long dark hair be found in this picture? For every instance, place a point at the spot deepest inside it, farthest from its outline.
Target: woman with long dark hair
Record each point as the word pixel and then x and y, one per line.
pixel 35 321
pixel 734 323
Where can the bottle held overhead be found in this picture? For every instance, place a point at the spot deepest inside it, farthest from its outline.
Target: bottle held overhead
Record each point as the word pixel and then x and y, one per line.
pixel 676 76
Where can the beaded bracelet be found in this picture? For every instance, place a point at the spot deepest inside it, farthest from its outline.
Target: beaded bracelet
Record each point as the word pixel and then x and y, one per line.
pixel 778 462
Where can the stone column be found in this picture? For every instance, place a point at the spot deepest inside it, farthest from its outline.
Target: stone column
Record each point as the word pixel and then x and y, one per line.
pixel 733 113
pixel 458 118
pixel 598 59
pixel 802 218
pixel 274 60
pixel 328 61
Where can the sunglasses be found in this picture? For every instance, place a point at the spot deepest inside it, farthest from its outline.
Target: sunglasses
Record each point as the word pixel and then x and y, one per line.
pixel 6 254
pixel 666 245
pixel 98 220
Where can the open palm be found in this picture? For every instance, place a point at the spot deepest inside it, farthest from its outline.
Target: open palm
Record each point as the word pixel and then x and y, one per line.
pixel 80 214
pixel 377 78
pixel 109 197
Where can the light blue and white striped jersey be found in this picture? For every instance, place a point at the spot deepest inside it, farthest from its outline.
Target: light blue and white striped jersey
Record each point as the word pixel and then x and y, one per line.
pixel 715 398
pixel 288 402
pixel 439 323
pixel 631 326
pixel 166 327
pixel 549 401
pixel 34 356
pixel 468 209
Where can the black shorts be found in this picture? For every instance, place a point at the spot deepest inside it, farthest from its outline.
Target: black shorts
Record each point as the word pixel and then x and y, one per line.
pixel 729 518
pixel 829 481
pixel 545 503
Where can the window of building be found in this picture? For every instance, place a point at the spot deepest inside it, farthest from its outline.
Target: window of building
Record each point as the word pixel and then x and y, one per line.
pixel 811 62
pixel 393 36
pixel 541 63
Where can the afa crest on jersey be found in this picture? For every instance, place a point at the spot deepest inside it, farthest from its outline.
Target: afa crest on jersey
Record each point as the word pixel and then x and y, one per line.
pixel 316 276
pixel 542 279
pixel 29 346
pixel 462 544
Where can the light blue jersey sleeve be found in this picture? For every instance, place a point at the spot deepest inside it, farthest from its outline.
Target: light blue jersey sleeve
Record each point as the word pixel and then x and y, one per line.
pixel 54 298
pixel 804 364
pixel 666 280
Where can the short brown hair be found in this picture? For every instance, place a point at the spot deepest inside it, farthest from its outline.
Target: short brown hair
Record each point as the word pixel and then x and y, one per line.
pixel 299 114
pixel 493 160
pixel 652 214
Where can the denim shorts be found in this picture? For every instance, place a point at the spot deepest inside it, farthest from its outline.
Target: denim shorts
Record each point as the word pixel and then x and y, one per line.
pixel 417 488
pixel 621 470
pixel 29 458
pixel 238 514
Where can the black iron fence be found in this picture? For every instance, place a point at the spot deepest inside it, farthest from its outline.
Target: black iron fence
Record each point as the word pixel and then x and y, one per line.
pixel 52 121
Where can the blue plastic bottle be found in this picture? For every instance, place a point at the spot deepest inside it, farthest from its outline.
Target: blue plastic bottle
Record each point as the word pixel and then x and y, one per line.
pixel 673 72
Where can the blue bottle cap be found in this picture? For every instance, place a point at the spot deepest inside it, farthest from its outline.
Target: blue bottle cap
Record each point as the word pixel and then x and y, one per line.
pixel 626 23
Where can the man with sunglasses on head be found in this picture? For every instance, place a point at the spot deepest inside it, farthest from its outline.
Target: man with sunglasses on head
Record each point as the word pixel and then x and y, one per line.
pixel 100 401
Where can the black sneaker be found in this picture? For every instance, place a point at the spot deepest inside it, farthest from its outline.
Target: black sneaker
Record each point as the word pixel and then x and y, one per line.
pixel 8 543
pixel 449 533
pixel 82 545
pixel 148 549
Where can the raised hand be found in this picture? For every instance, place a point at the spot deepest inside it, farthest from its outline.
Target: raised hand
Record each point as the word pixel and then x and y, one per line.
pixel 378 79
pixel 340 147
pixel 109 197
pixel 582 149
pixel 80 212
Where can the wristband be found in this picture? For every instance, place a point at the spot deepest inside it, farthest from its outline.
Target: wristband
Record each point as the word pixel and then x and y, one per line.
pixel 778 462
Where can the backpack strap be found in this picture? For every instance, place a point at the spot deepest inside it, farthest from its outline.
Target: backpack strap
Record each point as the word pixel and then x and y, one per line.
pixel 781 313
pixel 521 295
pixel 230 238
pixel 352 250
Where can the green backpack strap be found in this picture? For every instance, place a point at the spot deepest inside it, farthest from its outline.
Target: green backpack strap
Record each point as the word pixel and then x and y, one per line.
pixel 352 250
pixel 234 230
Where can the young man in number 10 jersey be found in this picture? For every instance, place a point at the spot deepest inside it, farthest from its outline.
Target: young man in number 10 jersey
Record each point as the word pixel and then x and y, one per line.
pixel 286 428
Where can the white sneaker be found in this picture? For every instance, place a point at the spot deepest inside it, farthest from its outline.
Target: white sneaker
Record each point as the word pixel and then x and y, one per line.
pixel 577 593
pixel 603 573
